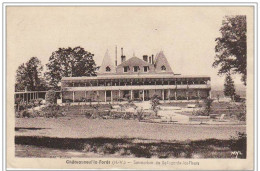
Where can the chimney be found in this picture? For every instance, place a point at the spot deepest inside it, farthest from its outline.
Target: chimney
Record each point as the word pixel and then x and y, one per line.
pixel 145 58
pixel 122 59
pixel 152 60
pixel 122 56
pixel 116 57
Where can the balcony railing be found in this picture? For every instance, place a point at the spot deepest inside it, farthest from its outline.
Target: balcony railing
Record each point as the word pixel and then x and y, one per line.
pixel 139 87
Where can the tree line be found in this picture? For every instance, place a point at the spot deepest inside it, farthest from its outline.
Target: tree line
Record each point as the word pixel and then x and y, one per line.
pixel 65 62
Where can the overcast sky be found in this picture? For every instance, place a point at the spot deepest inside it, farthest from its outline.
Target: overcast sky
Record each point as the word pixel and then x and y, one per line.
pixel 185 34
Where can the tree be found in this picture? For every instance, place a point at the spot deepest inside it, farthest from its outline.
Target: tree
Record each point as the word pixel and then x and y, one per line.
pixel 229 88
pixel 231 48
pixel 29 76
pixel 69 62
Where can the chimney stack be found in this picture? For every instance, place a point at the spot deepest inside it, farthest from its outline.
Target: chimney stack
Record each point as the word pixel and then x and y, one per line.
pixel 122 56
pixel 150 59
pixel 145 58
pixel 116 57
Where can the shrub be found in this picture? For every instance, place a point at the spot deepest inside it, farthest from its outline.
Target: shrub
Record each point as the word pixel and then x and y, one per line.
pixel 52 110
pixel 242 114
pixel 208 103
pixel 237 98
pixel 51 97
pixel 27 114
pixel 155 102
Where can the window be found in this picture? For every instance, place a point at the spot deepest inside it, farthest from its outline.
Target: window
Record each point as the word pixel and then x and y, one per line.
pixel 163 68
pixel 108 69
pixel 146 68
pixel 125 69
pixel 136 68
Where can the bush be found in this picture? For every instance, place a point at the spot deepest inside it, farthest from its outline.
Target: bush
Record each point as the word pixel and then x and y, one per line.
pixel 242 114
pixel 51 97
pixel 155 100
pixel 208 103
pixel 237 98
pixel 52 110
pixel 26 114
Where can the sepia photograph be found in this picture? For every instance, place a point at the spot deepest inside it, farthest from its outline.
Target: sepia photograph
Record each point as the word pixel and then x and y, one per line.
pixel 130 82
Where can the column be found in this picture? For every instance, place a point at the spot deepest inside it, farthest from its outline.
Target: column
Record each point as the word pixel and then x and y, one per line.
pixel 111 96
pixel 210 94
pixel 199 94
pixel 187 94
pixel 98 96
pixel 73 94
pixel 175 94
pixel 131 94
pixel 169 93
pixel 163 94
pixel 119 94
pixel 143 95
pixel 105 96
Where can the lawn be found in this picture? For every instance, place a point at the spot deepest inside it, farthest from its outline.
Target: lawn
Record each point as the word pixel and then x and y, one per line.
pixel 80 127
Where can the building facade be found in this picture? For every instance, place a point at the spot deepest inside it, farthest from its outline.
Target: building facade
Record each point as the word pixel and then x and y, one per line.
pixel 136 79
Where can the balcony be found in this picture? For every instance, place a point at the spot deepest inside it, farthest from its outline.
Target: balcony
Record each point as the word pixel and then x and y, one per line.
pixel 137 87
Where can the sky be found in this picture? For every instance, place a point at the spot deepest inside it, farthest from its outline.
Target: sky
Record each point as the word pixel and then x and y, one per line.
pixel 186 35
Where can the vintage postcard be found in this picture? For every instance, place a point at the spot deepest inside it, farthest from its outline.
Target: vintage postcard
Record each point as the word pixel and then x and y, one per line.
pixel 130 87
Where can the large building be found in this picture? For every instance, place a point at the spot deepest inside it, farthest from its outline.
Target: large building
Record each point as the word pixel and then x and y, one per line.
pixel 135 79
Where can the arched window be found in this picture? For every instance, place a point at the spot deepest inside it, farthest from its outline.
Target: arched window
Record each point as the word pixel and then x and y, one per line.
pixel 108 69
pixel 163 68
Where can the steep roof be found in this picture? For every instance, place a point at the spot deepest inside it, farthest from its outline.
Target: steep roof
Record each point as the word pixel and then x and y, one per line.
pixel 161 60
pixel 107 62
pixel 134 61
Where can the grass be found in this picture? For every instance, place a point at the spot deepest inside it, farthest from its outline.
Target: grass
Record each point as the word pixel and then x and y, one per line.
pixel 80 127
pixel 129 147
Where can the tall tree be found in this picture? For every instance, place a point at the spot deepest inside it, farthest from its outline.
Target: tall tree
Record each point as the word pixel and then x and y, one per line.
pixel 69 62
pixel 229 88
pixel 29 76
pixel 231 48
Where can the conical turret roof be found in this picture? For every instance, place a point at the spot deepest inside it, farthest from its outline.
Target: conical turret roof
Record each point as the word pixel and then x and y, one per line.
pixel 107 65
pixel 162 64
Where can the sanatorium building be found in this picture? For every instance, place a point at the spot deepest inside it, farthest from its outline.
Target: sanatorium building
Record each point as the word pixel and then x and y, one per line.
pixel 136 79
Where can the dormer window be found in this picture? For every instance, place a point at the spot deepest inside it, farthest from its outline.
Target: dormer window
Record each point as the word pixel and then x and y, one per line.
pixel 146 68
pixel 108 69
pixel 125 69
pixel 163 68
pixel 136 68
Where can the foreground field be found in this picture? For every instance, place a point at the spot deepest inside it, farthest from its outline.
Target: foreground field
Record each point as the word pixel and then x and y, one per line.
pixel 80 127
pixel 82 137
